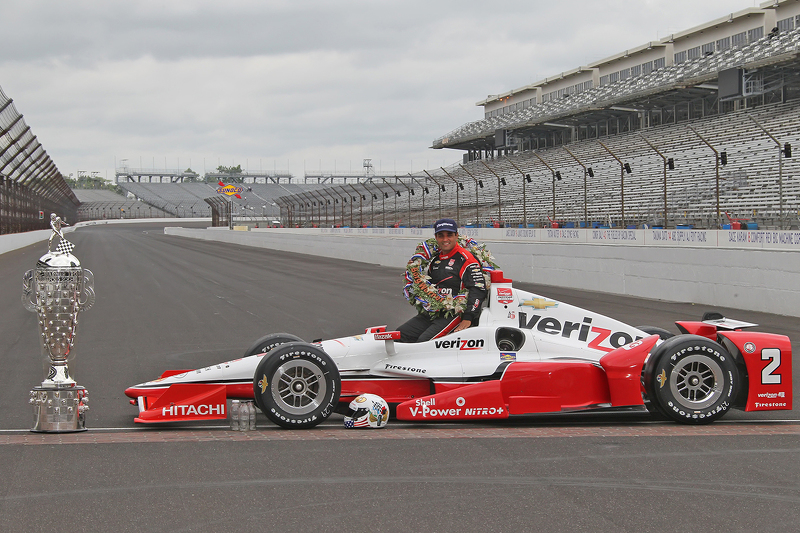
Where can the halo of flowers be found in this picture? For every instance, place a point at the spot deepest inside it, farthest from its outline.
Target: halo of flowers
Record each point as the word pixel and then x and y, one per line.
pixel 423 295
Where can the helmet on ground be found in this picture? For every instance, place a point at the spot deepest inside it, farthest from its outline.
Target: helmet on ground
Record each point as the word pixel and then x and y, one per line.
pixel 367 411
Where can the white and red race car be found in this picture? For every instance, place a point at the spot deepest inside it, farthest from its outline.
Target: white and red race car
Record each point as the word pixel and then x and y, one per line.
pixel 527 355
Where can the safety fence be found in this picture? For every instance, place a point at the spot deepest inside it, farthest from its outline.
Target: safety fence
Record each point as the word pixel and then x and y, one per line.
pixel 31 186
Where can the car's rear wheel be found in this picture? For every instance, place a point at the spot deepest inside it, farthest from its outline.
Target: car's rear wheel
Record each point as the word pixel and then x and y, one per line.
pixel 691 379
pixel 264 345
pixel 662 333
pixel 297 385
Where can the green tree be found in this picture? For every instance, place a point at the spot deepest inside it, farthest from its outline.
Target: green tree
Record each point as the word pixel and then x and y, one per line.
pixel 230 170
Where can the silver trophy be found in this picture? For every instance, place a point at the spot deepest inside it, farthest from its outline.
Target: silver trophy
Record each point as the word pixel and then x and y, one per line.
pixel 56 290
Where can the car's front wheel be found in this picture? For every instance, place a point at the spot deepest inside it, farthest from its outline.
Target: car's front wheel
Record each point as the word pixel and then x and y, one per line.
pixel 264 345
pixel 297 385
pixel 268 342
pixel 691 379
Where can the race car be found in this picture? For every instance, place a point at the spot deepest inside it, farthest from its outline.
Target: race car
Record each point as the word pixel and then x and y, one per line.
pixel 527 355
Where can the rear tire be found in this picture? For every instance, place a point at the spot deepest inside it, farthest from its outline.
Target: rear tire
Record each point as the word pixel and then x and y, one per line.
pixel 297 385
pixel 691 379
pixel 661 332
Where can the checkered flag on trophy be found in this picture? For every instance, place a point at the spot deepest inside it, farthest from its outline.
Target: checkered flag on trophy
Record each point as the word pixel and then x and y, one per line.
pixel 64 247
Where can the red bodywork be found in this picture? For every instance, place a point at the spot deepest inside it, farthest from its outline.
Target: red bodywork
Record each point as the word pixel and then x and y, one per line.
pixel 764 360
pixel 542 387
pixel 185 402
pixel 767 358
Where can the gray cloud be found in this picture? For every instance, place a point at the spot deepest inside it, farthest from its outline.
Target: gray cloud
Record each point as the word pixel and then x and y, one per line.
pixel 294 83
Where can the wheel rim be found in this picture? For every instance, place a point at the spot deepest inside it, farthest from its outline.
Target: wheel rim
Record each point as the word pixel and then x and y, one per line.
pixel 298 387
pixel 697 381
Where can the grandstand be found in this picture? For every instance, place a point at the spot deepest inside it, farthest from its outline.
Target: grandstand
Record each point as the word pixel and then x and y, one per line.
pixel 698 124
pixel 685 131
pixel 257 202
pixel 102 204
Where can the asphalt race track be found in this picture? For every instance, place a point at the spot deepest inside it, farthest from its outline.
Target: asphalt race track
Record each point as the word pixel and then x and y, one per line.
pixel 173 303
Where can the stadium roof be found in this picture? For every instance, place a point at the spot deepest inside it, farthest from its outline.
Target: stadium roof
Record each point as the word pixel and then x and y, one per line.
pixel 669 85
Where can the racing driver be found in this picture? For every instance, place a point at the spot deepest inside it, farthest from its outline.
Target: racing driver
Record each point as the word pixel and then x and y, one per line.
pixel 452 269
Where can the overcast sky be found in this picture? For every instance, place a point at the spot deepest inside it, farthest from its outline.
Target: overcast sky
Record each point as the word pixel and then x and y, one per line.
pixel 295 84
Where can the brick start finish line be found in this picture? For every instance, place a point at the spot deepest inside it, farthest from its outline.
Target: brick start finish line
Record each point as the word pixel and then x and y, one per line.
pixel 401 432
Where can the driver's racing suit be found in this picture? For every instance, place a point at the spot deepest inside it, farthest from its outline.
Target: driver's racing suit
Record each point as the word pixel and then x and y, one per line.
pixel 450 274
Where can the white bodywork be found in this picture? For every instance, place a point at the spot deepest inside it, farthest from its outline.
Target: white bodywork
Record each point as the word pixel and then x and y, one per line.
pixel 550 329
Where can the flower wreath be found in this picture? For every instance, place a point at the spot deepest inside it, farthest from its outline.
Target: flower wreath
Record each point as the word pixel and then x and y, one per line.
pixel 422 294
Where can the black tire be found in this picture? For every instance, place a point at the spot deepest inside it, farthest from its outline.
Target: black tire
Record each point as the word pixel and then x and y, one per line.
pixel 264 345
pixel 268 342
pixel 297 385
pixel 661 332
pixel 691 379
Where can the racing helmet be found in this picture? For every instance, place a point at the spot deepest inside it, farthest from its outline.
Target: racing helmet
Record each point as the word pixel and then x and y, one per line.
pixel 367 411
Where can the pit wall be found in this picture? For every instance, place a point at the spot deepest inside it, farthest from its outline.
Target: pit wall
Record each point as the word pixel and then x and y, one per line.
pixel 752 270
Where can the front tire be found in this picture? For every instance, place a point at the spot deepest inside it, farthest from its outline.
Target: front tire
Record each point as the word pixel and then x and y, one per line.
pixel 691 379
pixel 297 385
pixel 268 342
pixel 264 345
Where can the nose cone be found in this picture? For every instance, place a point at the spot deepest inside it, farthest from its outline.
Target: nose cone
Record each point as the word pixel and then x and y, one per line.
pixel 140 390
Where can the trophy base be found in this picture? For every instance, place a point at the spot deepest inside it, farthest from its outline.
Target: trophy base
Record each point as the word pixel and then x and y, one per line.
pixel 58 410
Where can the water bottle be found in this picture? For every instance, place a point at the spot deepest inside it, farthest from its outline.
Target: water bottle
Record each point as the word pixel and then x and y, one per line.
pixel 252 416
pixel 234 415
pixel 244 416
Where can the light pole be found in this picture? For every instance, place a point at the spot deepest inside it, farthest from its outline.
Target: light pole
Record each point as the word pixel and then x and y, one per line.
pixel 372 202
pixel 719 157
pixel 524 198
pixel 396 195
pixel 554 175
pixel 309 204
pixel 668 163
pixel 783 151
pixel 478 184
pixel 499 202
pixel 361 199
pixel 586 171
pixel 410 192
pixel 441 190
pixel 321 200
pixel 623 168
pixel 344 200
pixel 458 186
pixel 425 190
pixel 280 204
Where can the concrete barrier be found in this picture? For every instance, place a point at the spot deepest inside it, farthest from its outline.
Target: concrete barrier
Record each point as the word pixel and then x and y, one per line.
pixel 15 241
pixel 753 270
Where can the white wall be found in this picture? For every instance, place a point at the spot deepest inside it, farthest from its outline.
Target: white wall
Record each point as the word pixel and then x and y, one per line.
pixel 754 270
pixel 14 241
